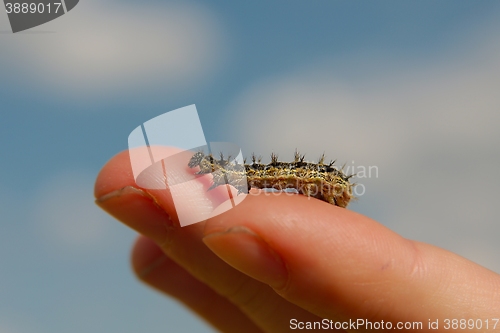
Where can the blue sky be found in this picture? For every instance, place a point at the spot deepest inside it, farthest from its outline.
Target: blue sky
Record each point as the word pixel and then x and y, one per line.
pixel 409 87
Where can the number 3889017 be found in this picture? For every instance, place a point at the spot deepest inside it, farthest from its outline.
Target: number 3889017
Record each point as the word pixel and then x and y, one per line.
pixel 25 8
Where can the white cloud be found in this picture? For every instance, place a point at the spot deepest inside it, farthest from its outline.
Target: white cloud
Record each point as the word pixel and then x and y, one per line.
pixel 67 218
pixel 101 47
pixel 312 107
pixel 431 128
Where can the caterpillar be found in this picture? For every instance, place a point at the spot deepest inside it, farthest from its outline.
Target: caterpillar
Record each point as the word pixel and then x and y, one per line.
pixel 317 180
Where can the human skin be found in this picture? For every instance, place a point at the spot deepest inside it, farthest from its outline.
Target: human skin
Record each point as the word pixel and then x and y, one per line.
pixel 274 258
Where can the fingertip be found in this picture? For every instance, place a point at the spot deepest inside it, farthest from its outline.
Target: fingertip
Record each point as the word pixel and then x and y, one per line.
pixel 139 211
pixel 115 174
pixel 146 255
pixel 184 197
pixel 158 271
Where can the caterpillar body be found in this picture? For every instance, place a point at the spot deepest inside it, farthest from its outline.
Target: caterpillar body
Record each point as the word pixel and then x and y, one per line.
pixel 317 180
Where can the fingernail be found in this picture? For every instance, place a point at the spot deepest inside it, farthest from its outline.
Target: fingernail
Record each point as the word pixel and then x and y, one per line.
pixel 246 251
pixel 138 210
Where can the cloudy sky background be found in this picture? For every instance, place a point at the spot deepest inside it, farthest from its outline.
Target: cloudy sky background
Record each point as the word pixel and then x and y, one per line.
pixel 411 88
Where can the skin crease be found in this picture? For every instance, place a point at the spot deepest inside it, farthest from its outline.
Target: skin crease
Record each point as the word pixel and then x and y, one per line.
pixel 274 258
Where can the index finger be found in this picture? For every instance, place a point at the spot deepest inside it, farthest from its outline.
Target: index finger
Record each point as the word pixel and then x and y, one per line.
pixel 342 265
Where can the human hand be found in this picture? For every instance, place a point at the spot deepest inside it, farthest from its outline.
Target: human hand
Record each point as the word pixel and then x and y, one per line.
pixel 278 260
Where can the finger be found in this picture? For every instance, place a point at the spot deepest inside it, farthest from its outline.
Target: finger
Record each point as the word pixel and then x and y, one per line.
pixel 153 214
pixel 155 269
pixel 339 264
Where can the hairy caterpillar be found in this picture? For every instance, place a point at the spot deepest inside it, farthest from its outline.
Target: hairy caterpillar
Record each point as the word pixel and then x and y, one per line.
pixel 317 180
